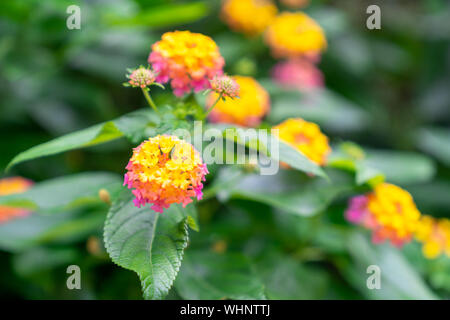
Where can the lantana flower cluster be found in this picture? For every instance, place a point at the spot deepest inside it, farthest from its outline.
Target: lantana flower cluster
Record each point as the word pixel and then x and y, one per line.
pixel 249 16
pixel 188 60
pixel 299 74
pixel 434 234
pixel 248 110
pixel 389 211
pixel 306 137
pixel 165 170
pixel 294 34
pixel 10 186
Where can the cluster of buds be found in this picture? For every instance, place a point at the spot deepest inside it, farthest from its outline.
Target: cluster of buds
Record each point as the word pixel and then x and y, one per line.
pixel 142 77
pixel 225 86
pixel 253 103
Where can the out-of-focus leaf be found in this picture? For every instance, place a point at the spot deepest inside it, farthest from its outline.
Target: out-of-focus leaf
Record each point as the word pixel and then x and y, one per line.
pixel 42 258
pixel 52 196
pixel 208 275
pixel 272 147
pixel 399 280
pixel 323 107
pixel 372 166
pixel 401 167
pixel 436 141
pixel 129 125
pixel 287 191
pixel 287 279
pixel 432 195
pixel 38 229
pixel 349 156
pixel 164 15
pixel 146 242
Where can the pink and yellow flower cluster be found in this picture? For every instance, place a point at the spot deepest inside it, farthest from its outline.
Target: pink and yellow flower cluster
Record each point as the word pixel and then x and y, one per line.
pixel 165 170
pixel 434 234
pixel 188 60
pixel 389 211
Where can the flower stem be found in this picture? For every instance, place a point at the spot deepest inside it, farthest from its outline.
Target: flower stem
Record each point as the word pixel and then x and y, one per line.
pixel 212 106
pixel 149 100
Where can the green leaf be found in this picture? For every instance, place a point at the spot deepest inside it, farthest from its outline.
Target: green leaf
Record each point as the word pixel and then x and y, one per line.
pixel 399 280
pixel 164 15
pixel 57 194
pixel 289 279
pixel 37 229
pixel 146 242
pixel 286 190
pixel 39 259
pixel 297 160
pixel 324 107
pixel 129 125
pixel 401 167
pixel 268 145
pixel 372 166
pixel 436 141
pixel 208 275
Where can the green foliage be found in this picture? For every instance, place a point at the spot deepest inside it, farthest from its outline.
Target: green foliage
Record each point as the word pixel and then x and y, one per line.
pixel 131 126
pixel 57 194
pixel 207 275
pixel 399 279
pixel 285 190
pixel 146 242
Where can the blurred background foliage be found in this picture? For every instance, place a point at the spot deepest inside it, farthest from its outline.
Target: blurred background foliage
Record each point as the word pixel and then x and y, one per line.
pixel 387 90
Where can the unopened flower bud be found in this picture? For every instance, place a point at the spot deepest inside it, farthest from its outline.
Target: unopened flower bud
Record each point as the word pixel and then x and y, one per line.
pixel 141 77
pixel 226 86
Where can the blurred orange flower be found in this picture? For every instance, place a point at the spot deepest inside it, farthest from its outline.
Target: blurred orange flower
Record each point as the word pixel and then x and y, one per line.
pixel 14 185
pixel 9 186
pixel 295 34
pixel 435 236
pixel 248 16
pixel 306 137
pixel 297 4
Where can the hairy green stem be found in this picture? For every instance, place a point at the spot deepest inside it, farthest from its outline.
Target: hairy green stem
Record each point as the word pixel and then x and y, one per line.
pixel 212 106
pixel 149 100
